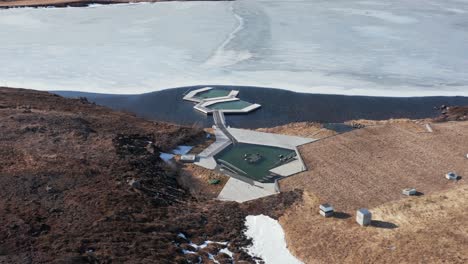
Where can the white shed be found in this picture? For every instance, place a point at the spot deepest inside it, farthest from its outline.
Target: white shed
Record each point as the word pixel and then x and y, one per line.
pixel 409 191
pixel 326 210
pixel 363 217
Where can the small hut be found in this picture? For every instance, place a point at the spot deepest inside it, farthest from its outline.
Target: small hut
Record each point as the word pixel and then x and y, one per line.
pixel 363 217
pixel 409 191
pixel 326 210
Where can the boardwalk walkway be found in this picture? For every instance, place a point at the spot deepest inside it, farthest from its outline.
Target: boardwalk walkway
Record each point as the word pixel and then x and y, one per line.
pixel 220 123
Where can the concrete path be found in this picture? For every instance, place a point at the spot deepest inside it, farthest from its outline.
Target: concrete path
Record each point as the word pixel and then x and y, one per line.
pixel 289 168
pixel 219 119
pixel 206 159
pixel 220 123
pixel 240 191
pixel 239 188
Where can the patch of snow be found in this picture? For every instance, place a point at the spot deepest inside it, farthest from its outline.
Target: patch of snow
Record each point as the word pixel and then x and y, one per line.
pixel 268 240
pixel 182 150
pixel 166 156
pixel 206 243
pixel 181 235
pixel 211 257
pixel 131 182
pixel 203 245
pixel 227 251
pixel 188 252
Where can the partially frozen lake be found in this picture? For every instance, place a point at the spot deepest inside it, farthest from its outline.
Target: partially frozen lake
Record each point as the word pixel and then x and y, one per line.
pixel 390 48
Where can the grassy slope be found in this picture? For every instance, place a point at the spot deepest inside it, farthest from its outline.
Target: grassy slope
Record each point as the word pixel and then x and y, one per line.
pixel 368 168
pixel 80 183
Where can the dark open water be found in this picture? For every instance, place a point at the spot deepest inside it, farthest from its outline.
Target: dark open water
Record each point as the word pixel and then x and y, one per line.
pixel 278 106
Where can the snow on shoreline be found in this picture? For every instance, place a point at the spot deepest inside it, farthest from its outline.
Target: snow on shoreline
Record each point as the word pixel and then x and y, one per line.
pixel 268 240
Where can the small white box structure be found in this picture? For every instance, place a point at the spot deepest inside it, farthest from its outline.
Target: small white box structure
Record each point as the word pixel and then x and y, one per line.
pixel 363 217
pixel 326 210
pixel 451 176
pixel 409 191
pixel 188 158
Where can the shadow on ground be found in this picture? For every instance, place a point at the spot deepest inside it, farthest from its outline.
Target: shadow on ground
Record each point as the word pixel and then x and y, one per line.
pixel 383 224
pixel 341 215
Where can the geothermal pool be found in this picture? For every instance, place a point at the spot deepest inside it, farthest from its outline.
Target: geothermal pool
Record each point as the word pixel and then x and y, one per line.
pixel 382 48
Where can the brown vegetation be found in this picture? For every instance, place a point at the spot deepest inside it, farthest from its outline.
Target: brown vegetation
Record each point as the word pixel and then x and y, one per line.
pixel 197 179
pixel 369 167
pixel 424 229
pixel 453 113
pixel 80 183
pixel 301 129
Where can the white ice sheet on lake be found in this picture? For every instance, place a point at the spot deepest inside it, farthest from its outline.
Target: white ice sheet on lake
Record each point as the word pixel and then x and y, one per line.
pixel 390 48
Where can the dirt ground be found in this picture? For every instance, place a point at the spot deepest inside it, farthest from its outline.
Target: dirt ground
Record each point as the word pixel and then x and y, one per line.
pixel 301 129
pixel 196 179
pixel 371 166
pixel 424 229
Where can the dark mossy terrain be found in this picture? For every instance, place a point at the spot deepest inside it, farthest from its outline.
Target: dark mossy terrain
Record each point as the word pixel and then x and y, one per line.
pixel 80 183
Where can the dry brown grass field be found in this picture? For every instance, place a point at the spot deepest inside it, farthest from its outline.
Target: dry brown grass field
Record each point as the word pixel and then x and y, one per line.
pixel 369 168
pixel 424 229
pixel 301 129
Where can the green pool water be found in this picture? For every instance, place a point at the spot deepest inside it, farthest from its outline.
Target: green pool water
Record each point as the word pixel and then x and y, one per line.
pixel 212 93
pixel 235 105
pixel 233 157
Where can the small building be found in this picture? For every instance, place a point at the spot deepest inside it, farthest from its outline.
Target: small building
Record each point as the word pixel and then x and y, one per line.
pixel 409 191
pixel 188 158
pixel 451 176
pixel 326 210
pixel 363 217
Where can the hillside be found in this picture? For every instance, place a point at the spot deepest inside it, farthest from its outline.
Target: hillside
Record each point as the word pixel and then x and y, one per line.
pixel 369 168
pixel 80 183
